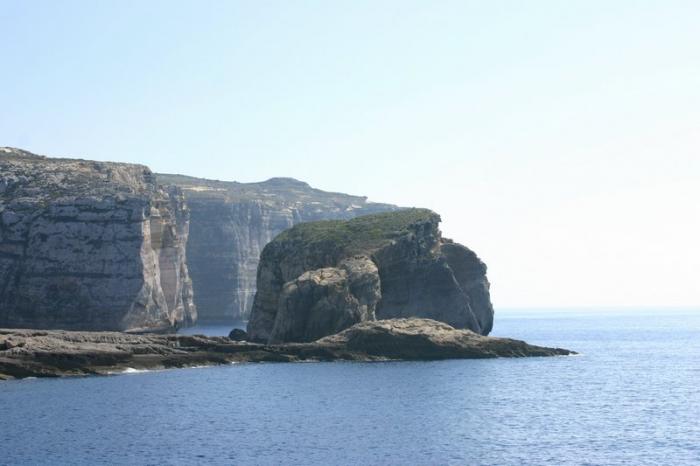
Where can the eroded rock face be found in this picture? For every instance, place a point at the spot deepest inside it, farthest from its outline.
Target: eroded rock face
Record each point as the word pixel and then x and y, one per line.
pixel 231 224
pixel 90 246
pixel 419 274
pixel 327 300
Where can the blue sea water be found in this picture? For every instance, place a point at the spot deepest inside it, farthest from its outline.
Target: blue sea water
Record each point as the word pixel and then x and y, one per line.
pixel 632 397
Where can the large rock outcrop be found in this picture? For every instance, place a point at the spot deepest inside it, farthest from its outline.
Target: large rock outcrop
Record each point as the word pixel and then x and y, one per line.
pixel 317 278
pixel 231 224
pixel 90 246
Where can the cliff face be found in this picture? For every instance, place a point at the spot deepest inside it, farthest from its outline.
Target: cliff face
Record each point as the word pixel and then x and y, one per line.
pixel 90 246
pixel 319 278
pixel 231 224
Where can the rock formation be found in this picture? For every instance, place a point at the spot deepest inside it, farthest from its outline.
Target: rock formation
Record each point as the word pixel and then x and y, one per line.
pixel 90 245
pixel 327 300
pixel 35 353
pixel 232 222
pixel 318 278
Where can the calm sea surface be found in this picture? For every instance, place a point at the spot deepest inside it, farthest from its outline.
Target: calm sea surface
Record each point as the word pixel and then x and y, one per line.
pixel 632 397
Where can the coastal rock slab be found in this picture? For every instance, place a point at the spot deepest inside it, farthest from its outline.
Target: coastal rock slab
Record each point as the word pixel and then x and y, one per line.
pixel 412 339
pixel 56 353
pixel 90 245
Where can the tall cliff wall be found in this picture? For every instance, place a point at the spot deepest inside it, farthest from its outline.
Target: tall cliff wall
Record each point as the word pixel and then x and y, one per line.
pixel 231 224
pixel 319 278
pixel 90 245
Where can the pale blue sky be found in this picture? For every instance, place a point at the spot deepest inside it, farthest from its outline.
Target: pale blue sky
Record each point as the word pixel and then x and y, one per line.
pixel 559 139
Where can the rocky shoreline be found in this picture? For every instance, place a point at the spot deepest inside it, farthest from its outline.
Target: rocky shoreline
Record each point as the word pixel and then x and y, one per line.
pixel 57 353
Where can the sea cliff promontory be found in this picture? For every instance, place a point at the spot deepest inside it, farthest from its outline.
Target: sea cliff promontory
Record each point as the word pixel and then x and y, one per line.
pixel 319 278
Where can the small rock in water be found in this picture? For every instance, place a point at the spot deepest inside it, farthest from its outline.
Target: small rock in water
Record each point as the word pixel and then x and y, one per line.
pixel 238 335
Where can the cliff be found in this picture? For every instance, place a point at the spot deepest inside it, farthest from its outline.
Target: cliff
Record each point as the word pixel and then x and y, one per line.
pixel 319 278
pixel 33 353
pixel 90 246
pixel 231 224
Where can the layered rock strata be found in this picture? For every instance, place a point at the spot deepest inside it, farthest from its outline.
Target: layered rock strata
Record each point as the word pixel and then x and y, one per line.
pixel 33 353
pixel 318 278
pixel 231 224
pixel 90 245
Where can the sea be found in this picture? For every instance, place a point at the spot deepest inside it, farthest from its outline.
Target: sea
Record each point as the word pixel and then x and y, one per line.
pixel 631 397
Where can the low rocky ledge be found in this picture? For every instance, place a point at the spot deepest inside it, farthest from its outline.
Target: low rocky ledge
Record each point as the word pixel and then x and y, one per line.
pixel 56 353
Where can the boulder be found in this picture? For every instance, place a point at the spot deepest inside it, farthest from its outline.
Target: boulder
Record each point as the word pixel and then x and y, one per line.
pixel 238 334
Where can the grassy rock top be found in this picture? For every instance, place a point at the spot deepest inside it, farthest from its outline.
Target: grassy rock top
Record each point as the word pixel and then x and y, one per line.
pixel 361 234
pixel 27 175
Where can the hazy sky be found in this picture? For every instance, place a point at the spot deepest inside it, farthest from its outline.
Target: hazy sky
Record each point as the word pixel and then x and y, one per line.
pixel 558 139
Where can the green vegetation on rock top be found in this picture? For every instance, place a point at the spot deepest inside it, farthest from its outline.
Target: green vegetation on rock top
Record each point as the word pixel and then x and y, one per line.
pixel 361 233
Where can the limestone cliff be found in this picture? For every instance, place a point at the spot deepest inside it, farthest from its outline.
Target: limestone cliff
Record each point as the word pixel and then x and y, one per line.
pixel 318 278
pixel 90 246
pixel 231 224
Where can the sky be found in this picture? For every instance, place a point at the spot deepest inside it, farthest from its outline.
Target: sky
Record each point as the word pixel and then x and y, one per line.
pixel 559 140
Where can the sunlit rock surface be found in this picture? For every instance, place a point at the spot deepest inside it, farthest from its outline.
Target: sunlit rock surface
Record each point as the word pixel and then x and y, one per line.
pixel 90 245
